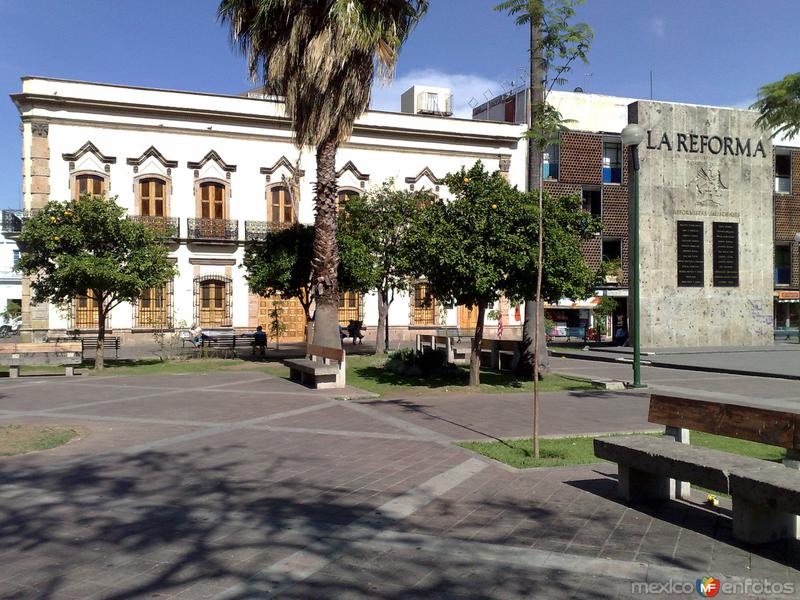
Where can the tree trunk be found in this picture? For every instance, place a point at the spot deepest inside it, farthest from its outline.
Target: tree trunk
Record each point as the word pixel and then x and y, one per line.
pixel 326 254
pixel 535 101
pixel 381 333
pixel 475 354
pixel 99 355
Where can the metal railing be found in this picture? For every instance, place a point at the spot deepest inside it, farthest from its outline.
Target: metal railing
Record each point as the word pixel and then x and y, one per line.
pixel 255 231
pixel 212 229
pixel 13 220
pixel 167 226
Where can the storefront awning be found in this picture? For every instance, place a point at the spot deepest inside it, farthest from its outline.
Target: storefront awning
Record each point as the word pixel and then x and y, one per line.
pixel 566 303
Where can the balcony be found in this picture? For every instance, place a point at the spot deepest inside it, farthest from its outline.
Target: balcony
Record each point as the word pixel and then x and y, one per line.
pixel 215 230
pixel 256 231
pixel 13 221
pixel 166 226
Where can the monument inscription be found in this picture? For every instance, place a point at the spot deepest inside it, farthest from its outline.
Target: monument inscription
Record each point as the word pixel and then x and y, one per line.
pixel 725 238
pixel 690 254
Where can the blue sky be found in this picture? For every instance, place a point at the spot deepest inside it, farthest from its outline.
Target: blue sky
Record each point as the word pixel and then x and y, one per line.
pixel 705 52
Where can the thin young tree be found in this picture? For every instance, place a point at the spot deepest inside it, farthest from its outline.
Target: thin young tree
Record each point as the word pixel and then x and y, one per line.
pixel 555 45
pixel 372 230
pixel 322 57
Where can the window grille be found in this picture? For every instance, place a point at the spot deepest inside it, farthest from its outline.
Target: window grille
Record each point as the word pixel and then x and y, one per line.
pixel 153 309
pixel 424 306
pixel 213 301
pixel 350 307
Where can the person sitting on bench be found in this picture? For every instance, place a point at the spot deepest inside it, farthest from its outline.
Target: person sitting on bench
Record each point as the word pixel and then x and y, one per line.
pixel 260 340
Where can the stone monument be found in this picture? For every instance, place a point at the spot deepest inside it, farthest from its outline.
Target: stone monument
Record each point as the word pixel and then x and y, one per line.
pixel 706 225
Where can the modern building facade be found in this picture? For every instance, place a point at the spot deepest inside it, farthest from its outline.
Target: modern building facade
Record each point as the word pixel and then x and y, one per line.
pixel 590 161
pixel 218 169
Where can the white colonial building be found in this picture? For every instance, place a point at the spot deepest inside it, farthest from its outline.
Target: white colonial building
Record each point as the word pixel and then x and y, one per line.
pixel 216 167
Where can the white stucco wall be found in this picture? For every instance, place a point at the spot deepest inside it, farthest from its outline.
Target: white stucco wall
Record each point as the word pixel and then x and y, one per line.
pixel 123 122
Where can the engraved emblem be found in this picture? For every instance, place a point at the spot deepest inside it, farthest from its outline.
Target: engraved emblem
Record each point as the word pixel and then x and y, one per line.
pixel 709 186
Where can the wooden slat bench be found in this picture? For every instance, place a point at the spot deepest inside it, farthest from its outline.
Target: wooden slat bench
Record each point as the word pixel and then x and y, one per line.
pixel 227 345
pixel 66 354
pixel 89 343
pixel 766 495
pixel 322 368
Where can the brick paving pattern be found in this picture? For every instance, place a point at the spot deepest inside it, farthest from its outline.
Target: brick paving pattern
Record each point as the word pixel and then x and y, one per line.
pixel 241 485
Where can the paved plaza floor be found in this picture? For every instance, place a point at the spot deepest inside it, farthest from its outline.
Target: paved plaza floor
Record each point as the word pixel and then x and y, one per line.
pixel 242 485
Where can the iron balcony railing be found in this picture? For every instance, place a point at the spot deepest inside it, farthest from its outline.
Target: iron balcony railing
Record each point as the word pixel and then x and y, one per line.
pixel 167 226
pixel 14 219
pixel 256 231
pixel 212 229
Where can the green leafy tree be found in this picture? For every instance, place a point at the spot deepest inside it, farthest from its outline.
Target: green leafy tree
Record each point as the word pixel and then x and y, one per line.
pixel 779 105
pixel 470 248
pixel 88 245
pixel 280 265
pixel 555 45
pixel 322 57
pixel 372 229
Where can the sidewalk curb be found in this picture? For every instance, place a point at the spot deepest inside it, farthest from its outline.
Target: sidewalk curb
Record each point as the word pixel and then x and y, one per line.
pixel 663 365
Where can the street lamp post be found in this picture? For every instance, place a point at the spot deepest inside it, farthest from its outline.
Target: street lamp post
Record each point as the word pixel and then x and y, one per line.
pixel 632 136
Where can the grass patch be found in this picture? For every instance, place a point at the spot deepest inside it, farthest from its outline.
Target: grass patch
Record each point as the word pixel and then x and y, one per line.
pixel 367 373
pixel 579 450
pixel 19 439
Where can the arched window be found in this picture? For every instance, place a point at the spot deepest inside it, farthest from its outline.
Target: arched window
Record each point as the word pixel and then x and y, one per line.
pixel 281 209
pixel 344 195
pixel 88 183
pixel 349 307
pixel 85 313
pixel 424 306
pixel 154 308
pixel 213 301
pixel 212 200
pixel 152 193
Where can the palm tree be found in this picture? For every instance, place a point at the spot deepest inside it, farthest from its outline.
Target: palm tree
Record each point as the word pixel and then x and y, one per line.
pixel 322 57
pixel 779 105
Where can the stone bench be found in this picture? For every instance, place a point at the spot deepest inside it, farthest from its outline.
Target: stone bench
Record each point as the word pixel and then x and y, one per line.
pixel 66 354
pixel 440 342
pixel 499 355
pixel 766 496
pixel 322 368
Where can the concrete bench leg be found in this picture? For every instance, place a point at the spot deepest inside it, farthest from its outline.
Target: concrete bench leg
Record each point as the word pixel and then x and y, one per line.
pixel 755 524
pixel 792 461
pixel 13 372
pixel 683 489
pixel 641 486
pixel 70 370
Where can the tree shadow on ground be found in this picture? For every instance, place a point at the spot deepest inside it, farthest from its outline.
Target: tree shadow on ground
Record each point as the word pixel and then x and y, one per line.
pixel 207 523
pixel 712 522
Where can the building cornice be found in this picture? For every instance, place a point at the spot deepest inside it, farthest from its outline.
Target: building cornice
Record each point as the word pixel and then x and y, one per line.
pixel 27 101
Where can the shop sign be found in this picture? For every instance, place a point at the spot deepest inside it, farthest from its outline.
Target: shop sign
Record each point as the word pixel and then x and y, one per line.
pixel 789 295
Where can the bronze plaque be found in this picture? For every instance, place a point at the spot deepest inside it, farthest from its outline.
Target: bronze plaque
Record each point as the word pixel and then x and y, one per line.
pixel 690 254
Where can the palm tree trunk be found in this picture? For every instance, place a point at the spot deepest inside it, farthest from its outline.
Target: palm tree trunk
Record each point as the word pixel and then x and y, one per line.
pixel 99 356
pixel 326 255
pixel 475 354
pixel 383 321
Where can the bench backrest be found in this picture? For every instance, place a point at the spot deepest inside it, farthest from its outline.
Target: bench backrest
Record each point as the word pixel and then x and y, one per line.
pixel 336 354
pixel 755 424
pixel 40 347
pixel 502 345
